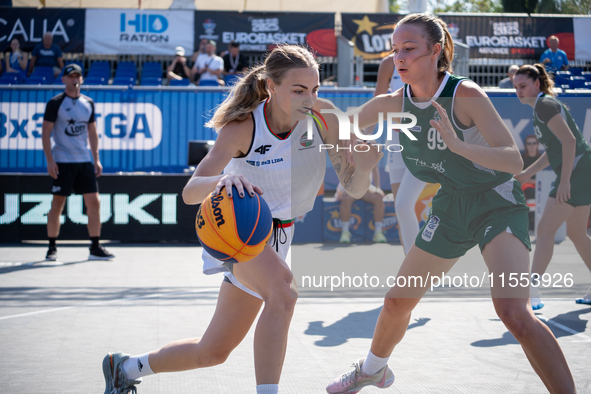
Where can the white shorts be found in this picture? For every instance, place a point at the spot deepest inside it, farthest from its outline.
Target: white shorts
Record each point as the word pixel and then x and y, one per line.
pixel 212 265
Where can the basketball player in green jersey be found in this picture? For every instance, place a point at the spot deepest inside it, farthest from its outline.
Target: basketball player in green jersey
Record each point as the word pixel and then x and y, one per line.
pixel 464 145
pixel 569 155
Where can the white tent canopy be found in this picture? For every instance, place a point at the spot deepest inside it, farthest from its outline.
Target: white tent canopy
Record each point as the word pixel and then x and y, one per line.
pixel 365 6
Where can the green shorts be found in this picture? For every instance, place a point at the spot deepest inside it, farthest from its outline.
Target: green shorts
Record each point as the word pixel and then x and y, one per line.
pixel 459 222
pixel 580 185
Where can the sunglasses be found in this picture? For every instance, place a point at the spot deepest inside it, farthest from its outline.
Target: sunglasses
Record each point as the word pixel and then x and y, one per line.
pixel 531 143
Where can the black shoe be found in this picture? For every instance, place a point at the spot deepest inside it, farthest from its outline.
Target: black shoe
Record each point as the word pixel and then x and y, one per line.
pixel 51 254
pixel 100 253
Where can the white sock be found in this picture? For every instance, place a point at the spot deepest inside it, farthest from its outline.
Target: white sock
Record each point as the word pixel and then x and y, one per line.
pixel 378 226
pixel 137 366
pixel 268 389
pixel 373 364
pixel 345 226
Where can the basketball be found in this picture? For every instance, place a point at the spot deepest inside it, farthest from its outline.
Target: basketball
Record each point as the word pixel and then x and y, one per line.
pixel 234 229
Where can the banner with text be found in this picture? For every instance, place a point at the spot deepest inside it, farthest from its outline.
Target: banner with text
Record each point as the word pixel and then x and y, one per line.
pixel 370 33
pixel 29 24
pixel 261 31
pixel 138 32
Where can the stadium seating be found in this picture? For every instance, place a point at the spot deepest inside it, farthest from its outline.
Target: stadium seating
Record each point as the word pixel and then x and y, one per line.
pixel 577 82
pixel 181 82
pixel 127 81
pixel 12 79
pixel 575 71
pixel 37 80
pixel 100 69
pixel 562 77
pixel 151 81
pixel 564 87
pixel 208 83
pixel 586 75
pixel 41 75
pixel 587 85
pixel 151 70
pixel 96 80
pixel 231 79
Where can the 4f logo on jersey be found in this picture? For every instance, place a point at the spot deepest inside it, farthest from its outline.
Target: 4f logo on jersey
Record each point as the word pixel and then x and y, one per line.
pixel 263 149
pixel 436 116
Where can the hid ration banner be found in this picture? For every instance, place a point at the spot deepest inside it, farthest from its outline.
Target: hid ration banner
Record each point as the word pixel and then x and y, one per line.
pixel 29 24
pixel 261 31
pixel 138 32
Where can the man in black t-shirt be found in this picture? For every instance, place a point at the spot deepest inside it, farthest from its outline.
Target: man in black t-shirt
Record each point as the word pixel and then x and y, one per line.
pixel 178 68
pixel 69 118
pixel 234 62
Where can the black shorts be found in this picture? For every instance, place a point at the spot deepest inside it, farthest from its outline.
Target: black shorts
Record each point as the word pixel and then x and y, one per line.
pixel 78 178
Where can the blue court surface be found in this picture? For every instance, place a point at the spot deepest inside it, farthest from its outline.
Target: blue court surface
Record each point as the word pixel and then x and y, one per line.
pixel 59 319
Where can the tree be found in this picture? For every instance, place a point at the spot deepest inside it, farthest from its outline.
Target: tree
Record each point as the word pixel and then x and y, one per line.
pixel 527 6
pixel 476 6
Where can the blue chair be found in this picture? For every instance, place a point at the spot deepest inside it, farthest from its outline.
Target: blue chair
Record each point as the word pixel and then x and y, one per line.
pixel 124 81
pixel 209 82
pixel 575 71
pixel 182 82
pixel 564 87
pixel 151 70
pixel 586 75
pixel 11 79
pixel 577 82
pixel 36 80
pixel 587 85
pixel 99 69
pixel 151 81
pixel 96 81
pixel 562 77
pixel 231 79
pixel 126 66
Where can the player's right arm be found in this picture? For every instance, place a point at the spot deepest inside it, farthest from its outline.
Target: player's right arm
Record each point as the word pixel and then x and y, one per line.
pixel 46 129
pixel 368 113
pixel 233 140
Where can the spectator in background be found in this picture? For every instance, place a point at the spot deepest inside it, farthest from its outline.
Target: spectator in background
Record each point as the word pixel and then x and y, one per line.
pixel 210 67
pixel 69 119
pixel 200 51
pixel 178 68
pixel 529 156
pixel 554 59
pixel 507 83
pixel 16 60
pixel 374 196
pixel 234 62
pixel 47 54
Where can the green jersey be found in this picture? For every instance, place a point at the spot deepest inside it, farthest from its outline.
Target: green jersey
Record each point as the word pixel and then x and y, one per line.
pixel 545 108
pixel 429 158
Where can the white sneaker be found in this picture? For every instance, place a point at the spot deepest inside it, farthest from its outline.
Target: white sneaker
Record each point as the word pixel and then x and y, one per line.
pixel 352 382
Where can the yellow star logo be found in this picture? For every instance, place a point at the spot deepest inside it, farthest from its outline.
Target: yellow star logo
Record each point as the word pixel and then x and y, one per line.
pixel 365 25
pixel 335 214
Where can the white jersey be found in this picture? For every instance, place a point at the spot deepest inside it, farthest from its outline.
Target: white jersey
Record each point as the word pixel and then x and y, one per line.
pixel 290 171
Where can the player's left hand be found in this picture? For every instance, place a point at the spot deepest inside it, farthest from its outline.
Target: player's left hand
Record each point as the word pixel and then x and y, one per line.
pixel 563 192
pixel 365 156
pixel 445 129
pixel 98 169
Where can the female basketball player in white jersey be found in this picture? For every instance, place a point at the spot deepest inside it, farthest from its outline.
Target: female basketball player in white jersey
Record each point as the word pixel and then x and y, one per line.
pixel 478 203
pixel 406 188
pixel 261 147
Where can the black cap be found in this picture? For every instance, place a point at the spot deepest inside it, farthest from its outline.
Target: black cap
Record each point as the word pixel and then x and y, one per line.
pixel 72 69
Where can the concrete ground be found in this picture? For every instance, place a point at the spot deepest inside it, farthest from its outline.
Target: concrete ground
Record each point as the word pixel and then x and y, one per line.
pixel 58 320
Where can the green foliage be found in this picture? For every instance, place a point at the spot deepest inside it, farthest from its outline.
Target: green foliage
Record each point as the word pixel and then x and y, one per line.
pixel 475 6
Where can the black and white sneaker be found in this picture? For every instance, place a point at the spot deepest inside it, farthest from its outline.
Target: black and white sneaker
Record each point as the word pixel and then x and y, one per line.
pixel 51 254
pixel 100 253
